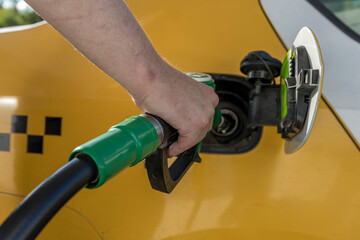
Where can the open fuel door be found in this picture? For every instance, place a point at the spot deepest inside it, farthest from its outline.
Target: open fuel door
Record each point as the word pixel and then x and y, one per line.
pixel 292 104
pixel 301 82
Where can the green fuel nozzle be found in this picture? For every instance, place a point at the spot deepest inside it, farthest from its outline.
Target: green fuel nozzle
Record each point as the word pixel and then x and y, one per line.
pixel 135 139
pixel 124 145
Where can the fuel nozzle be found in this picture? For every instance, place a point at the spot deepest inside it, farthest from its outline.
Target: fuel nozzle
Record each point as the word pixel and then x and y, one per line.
pixel 162 177
pixel 139 137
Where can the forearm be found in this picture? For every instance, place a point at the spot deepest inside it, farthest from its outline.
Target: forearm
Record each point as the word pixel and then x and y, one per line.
pixel 107 33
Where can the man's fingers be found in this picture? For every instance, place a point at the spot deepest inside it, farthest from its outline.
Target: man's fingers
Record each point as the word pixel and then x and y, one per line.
pixel 185 142
pixel 179 146
pixel 210 124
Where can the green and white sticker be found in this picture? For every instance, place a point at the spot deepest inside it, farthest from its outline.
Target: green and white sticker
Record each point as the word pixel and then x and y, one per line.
pixel 200 77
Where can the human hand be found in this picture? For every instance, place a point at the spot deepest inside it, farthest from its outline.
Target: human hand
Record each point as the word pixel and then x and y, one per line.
pixel 185 104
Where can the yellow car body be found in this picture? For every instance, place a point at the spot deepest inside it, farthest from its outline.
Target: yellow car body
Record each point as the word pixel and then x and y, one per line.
pixel 263 194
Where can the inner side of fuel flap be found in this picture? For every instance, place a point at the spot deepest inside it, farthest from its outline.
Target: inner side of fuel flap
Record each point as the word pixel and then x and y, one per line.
pixel 300 84
pixel 236 135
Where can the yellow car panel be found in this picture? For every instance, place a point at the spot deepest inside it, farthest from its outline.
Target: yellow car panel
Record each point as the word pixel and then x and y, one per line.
pixel 263 194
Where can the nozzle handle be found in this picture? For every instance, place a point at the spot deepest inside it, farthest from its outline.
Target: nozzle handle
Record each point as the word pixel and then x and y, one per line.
pixel 162 177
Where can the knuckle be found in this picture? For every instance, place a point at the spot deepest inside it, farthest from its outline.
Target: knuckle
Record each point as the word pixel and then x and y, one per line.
pixel 215 98
pixel 216 101
pixel 202 121
pixel 211 111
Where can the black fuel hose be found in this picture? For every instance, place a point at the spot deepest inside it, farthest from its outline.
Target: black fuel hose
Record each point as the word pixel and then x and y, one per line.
pixel 34 212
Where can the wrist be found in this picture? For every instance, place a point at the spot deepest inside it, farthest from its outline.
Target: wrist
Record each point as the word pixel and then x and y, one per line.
pixel 147 76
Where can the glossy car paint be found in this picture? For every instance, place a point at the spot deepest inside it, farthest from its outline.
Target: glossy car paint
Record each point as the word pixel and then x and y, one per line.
pixel 263 194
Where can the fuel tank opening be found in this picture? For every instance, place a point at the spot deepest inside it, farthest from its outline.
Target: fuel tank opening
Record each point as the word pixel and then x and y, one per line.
pixel 248 104
pixel 233 134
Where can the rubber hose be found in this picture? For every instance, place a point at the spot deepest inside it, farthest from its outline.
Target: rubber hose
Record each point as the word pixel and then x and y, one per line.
pixel 34 212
